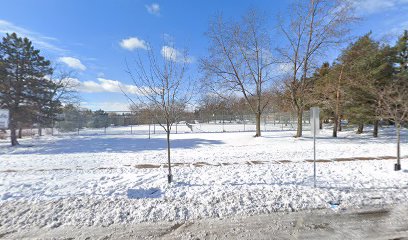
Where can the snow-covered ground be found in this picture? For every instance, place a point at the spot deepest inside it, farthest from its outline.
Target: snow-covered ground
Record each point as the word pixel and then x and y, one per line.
pixel 96 179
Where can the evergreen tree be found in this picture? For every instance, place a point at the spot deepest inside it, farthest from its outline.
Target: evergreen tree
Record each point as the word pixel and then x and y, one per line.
pixel 23 84
pixel 367 70
pixel 401 60
pixel 100 119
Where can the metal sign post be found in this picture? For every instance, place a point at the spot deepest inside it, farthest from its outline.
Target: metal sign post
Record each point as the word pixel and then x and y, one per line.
pixel 314 123
pixel 4 118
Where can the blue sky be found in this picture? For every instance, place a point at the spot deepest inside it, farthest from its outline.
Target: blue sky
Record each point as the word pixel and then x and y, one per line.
pixel 93 38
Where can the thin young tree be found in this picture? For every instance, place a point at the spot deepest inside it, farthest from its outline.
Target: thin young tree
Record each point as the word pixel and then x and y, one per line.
pixel 240 61
pixel 394 106
pixel 314 26
pixel 394 96
pixel 64 91
pixel 162 88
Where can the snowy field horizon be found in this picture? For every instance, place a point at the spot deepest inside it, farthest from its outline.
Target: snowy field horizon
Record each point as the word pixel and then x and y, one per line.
pixel 119 178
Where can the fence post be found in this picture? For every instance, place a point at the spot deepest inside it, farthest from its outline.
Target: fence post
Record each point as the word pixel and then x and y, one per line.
pixel 274 119
pixel 223 128
pixel 78 125
pixel 280 118
pixel 264 123
pixel 52 127
pixel 243 119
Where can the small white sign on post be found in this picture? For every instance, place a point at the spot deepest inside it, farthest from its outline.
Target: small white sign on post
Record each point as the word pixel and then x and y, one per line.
pixel 314 123
pixel 314 120
pixel 4 118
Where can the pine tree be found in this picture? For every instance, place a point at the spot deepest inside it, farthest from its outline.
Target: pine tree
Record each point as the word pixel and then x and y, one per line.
pixel 367 69
pixel 23 84
pixel 401 60
pixel 100 119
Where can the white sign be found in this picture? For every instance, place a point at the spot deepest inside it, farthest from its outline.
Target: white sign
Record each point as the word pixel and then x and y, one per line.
pixel 4 118
pixel 314 120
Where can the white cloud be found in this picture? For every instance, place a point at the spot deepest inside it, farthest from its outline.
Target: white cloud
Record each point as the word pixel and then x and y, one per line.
pixel 365 7
pixel 132 43
pixel 40 41
pixel 105 85
pixel 153 8
pixel 175 55
pixel 284 68
pixel 73 63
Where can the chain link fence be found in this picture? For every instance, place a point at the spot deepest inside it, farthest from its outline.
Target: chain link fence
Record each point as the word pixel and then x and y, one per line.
pixel 133 123
pixel 114 123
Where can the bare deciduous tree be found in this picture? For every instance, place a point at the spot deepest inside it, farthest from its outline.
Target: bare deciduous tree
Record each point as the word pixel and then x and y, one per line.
pixel 314 26
pixel 394 106
pixel 328 92
pixel 64 91
pixel 162 88
pixel 240 61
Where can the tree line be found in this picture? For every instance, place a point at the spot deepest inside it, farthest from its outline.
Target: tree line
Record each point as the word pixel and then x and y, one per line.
pixel 245 69
pixel 363 83
pixel 367 82
pixel 360 85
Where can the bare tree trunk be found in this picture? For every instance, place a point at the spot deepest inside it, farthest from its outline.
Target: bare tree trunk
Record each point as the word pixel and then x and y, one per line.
pixel 339 127
pixel 398 165
pixel 360 128
pixel 13 136
pixel 299 122
pixel 258 124
pixel 13 127
pixel 169 176
pixel 335 126
pixel 337 114
pixel 375 132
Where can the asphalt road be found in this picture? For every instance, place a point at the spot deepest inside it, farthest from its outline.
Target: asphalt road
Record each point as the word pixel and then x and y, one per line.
pixel 387 222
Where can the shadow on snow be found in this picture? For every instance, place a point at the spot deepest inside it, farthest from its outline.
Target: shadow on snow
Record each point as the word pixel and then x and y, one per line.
pixel 95 144
pixel 144 193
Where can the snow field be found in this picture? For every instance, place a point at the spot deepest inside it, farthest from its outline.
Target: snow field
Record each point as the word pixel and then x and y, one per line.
pixel 114 179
